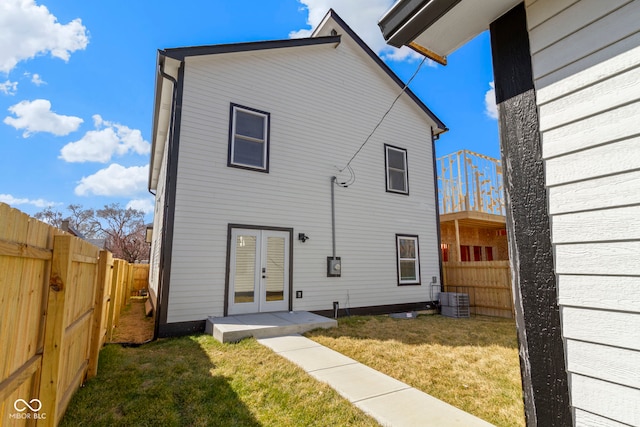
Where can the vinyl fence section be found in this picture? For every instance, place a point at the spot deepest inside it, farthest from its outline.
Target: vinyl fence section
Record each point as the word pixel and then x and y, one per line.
pixel 488 284
pixel 57 308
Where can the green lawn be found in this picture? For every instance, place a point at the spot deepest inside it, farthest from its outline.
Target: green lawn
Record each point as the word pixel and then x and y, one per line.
pixel 472 364
pixel 196 381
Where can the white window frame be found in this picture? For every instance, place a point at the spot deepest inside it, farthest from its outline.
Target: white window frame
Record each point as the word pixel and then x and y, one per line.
pixel 388 169
pixel 265 141
pixel 415 259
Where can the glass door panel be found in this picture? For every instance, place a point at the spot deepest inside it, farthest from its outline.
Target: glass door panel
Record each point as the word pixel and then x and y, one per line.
pixel 245 269
pixel 275 263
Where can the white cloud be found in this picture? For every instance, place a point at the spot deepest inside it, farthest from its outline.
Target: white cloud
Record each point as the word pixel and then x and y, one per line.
pixel 36 80
pixel 101 144
pixel 36 116
pixel 144 205
pixel 95 146
pixel 9 87
pixel 29 30
pixel 362 16
pixel 13 201
pixel 115 180
pixel 490 107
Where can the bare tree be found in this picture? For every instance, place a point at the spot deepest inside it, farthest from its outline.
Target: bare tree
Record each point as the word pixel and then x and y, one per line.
pixel 51 216
pixel 125 232
pixel 123 228
pixel 84 221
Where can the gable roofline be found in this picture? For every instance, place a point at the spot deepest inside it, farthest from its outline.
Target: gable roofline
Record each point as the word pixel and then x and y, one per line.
pixel 441 127
pixel 180 53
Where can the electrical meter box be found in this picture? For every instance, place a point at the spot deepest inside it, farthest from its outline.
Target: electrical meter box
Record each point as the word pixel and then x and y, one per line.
pixel 334 266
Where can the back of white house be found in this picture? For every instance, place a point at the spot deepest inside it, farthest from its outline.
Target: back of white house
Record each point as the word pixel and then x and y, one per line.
pixel 248 210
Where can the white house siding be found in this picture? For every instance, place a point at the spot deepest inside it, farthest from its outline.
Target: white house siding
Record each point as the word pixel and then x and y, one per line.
pixel 324 101
pixel 158 222
pixel 586 64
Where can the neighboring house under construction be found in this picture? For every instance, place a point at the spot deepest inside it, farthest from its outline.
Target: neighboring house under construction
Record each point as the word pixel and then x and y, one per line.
pixel 473 231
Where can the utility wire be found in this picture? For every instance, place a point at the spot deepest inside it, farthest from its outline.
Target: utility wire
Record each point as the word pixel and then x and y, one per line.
pixel 385 114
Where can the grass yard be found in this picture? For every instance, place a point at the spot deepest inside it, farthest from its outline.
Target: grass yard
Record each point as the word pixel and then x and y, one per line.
pixel 471 363
pixel 196 381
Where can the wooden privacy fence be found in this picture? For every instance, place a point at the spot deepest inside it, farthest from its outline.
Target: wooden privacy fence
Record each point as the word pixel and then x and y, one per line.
pixel 140 278
pixel 488 284
pixel 60 298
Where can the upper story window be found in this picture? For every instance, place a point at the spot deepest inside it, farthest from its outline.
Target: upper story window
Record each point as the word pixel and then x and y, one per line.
pixel 249 139
pixel 396 169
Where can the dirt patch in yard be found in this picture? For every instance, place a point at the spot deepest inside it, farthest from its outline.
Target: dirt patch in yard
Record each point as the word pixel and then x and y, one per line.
pixel 134 326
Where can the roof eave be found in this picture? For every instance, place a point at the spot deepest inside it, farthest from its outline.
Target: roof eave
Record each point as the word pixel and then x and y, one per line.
pixel 408 18
pixel 181 53
pixel 436 28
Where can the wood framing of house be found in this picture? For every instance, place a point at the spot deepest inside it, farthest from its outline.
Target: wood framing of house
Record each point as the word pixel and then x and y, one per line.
pixel 256 209
pixel 568 93
pixel 471 207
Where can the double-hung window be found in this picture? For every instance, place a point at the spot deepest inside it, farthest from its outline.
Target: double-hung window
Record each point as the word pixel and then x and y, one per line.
pixel 249 139
pixel 396 169
pixel 408 259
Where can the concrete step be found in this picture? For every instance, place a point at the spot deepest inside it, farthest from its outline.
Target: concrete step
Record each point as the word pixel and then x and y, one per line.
pixel 265 325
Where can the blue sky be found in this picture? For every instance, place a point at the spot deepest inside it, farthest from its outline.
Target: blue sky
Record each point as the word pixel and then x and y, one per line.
pixel 77 79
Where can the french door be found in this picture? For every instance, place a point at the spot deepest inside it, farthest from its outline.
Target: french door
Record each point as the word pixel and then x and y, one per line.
pixel 258 271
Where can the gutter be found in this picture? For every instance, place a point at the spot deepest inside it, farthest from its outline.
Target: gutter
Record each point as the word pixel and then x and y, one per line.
pixel 160 77
pixel 164 247
pixel 407 19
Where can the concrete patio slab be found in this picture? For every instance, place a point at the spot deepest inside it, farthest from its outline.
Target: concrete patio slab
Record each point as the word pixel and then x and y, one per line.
pixel 264 325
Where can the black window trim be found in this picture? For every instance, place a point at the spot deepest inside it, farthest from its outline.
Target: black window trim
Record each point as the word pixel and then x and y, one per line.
pixel 397 245
pixel 386 169
pixel 267 115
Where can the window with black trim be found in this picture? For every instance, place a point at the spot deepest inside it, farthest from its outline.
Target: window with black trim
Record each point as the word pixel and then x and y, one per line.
pixel 408 259
pixel 249 138
pixel 396 169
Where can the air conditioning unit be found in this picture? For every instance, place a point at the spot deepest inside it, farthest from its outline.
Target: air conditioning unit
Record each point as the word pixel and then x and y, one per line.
pixel 453 304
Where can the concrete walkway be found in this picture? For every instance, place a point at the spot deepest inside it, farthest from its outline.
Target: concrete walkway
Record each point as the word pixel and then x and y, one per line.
pixel 389 401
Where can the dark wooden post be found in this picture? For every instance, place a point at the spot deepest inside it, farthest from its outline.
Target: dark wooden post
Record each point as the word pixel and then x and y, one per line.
pixel 542 361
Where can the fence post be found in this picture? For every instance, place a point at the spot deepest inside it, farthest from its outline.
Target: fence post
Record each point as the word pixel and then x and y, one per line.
pixel 129 282
pixel 104 265
pixel 120 292
pixel 61 277
pixel 123 285
pixel 113 304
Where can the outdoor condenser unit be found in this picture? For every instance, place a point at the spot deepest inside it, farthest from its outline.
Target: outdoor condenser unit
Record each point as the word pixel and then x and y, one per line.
pixel 454 304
